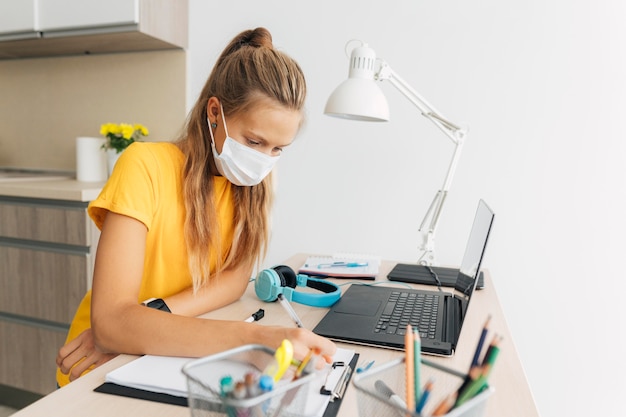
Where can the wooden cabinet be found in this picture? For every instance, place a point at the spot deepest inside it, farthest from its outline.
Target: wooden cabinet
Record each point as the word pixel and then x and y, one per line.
pixel 47 248
pixel 18 19
pixel 76 27
pixel 27 361
pixel 86 14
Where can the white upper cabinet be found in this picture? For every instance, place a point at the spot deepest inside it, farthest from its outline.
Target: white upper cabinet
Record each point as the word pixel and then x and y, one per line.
pixel 37 28
pixel 55 15
pixel 18 19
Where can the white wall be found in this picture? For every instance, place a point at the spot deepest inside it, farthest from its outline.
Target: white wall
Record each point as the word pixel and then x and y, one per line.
pixel 541 85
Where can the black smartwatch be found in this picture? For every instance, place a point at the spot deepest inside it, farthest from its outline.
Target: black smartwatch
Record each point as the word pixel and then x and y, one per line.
pixel 157 303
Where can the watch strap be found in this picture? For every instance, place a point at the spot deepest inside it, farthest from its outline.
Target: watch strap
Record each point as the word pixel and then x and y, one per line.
pixel 157 304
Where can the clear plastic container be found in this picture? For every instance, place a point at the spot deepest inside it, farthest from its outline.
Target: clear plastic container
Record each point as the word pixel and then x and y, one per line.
pixel 372 402
pixel 287 398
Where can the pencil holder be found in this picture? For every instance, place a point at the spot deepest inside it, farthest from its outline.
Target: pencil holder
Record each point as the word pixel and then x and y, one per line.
pixel 381 391
pixel 205 379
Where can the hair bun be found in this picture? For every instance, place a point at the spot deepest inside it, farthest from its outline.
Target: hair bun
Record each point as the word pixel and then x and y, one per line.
pixel 259 37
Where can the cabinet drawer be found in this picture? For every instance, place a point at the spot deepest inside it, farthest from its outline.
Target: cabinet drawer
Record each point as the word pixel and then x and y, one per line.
pixel 28 356
pixel 44 221
pixel 53 14
pixel 17 16
pixel 45 285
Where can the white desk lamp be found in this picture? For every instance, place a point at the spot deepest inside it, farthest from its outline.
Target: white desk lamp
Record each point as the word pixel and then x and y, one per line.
pixel 360 98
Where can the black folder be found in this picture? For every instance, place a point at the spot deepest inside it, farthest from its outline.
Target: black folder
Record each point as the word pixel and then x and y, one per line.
pixel 110 388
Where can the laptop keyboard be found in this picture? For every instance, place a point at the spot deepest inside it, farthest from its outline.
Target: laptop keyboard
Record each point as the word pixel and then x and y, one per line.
pixel 403 308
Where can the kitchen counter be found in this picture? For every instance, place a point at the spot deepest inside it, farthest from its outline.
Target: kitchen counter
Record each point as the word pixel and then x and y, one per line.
pixel 54 189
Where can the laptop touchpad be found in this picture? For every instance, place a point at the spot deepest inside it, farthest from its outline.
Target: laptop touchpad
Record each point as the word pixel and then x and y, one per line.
pixel 357 307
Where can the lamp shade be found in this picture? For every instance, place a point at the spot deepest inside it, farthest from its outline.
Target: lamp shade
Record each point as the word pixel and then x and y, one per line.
pixel 359 97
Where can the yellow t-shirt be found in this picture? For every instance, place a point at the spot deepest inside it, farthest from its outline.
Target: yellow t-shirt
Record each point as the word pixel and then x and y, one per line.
pixel 146 185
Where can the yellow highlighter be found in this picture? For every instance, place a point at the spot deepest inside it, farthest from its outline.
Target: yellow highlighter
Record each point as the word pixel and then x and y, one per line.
pixel 281 362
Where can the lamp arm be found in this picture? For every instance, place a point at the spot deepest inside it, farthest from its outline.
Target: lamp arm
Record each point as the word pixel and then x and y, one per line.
pixel 455 133
pixel 429 223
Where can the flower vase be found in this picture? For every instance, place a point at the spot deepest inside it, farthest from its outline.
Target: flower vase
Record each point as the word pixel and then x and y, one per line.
pixel 112 157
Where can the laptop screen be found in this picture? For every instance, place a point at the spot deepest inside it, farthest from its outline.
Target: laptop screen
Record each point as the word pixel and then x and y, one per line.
pixel 474 252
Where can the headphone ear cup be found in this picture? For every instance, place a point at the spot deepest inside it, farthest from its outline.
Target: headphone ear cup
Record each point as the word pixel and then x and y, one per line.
pixel 287 276
pixel 268 285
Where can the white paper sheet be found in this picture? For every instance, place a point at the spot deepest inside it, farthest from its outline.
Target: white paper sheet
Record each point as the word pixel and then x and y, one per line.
pixel 162 374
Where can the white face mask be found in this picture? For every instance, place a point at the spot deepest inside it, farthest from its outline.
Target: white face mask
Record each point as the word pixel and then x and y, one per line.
pixel 239 163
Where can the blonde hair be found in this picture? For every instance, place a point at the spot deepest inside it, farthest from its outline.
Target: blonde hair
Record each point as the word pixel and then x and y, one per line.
pixel 247 73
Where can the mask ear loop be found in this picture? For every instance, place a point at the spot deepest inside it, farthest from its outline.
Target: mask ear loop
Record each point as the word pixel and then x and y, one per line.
pixel 214 125
pixel 224 119
pixel 211 127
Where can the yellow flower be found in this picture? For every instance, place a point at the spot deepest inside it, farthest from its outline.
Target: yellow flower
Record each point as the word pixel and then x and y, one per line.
pixel 141 128
pixel 120 136
pixel 110 128
pixel 127 131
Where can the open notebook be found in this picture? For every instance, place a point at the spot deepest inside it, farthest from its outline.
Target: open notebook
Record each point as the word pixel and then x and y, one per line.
pixel 159 378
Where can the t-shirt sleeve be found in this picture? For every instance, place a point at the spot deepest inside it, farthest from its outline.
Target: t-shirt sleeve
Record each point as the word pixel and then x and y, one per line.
pixel 131 189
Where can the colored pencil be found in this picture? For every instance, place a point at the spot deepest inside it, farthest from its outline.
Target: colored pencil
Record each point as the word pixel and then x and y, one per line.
pixel 471 390
pixel 476 366
pixel 445 405
pixel 409 360
pixel 417 363
pixel 481 341
pixel 491 355
pixel 477 381
pixel 473 374
pixel 425 394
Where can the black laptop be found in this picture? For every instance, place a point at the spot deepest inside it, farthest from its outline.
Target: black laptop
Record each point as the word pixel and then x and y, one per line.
pixel 378 316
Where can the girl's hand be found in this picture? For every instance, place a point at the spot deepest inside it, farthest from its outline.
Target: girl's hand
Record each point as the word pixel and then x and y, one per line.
pixel 80 355
pixel 303 341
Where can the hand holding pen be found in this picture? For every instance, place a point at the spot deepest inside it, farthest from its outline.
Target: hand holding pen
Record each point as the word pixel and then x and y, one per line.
pixel 308 338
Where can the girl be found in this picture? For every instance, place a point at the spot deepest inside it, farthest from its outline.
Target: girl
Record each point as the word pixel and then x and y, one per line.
pixel 184 224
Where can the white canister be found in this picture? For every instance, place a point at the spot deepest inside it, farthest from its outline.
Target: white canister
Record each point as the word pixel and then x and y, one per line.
pixel 91 161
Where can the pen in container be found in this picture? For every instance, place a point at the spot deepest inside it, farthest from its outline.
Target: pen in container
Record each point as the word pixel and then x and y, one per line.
pixel 424 397
pixel 409 359
pixel 478 375
pixel 491 355
pixel 481 341
pixel 417 363
pixel 305 367
pixel 283 302
pixel 445 405
pixel 388 393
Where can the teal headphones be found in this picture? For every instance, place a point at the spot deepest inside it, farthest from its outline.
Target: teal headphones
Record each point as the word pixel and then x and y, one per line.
pixel 282 279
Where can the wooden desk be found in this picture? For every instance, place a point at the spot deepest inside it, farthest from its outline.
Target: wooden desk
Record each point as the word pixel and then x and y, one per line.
pixel 512 395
